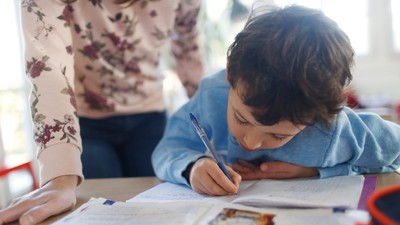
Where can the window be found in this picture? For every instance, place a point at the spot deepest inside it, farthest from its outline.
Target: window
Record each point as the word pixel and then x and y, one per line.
pixel 14 112
pixel 351 16
pixel 16 141
pixel 396 24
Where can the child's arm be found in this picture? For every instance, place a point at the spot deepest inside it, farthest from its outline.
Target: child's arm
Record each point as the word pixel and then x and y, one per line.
pixel 181 146
pixel 207 178
pixel 272 170
pixel 363 143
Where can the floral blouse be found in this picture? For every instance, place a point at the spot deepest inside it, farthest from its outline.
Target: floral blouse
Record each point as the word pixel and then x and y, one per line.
pixel 95 58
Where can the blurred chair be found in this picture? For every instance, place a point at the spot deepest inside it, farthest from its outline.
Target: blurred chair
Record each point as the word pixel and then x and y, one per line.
pixel 26 165
pixel 9 165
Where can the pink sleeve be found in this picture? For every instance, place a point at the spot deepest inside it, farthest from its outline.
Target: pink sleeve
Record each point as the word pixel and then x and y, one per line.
pixel 185 44
pixel 49 67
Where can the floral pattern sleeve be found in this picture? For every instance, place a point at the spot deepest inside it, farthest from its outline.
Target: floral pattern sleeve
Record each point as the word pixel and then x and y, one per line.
pixel 50 69
pixel 185 45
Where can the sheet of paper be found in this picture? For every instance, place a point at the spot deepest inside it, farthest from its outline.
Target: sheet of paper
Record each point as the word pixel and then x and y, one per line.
pixel 166 192
pixel 341 191
pixel 95 212
pixel 336 191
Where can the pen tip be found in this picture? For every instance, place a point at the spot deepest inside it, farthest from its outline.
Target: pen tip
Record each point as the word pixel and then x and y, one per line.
pixel 192 116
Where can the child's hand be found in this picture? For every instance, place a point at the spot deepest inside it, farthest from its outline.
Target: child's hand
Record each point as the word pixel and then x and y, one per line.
pixel 272 170
pixel 207 178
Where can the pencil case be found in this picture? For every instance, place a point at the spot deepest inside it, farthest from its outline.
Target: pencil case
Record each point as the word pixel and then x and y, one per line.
pixel 384 206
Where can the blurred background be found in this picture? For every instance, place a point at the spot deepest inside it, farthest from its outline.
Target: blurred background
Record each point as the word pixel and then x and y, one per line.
pixel 372 25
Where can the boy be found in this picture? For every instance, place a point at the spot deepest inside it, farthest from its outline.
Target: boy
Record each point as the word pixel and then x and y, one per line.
pixel 280 103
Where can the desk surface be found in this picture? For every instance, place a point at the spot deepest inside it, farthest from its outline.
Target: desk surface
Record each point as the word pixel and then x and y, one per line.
pixel 121 189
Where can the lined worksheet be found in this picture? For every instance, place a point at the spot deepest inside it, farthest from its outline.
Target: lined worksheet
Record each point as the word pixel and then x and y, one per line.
pixel 340 191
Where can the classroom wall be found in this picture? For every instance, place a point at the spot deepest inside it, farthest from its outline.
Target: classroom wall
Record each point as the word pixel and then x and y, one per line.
pixel 379 72
pixel 377 78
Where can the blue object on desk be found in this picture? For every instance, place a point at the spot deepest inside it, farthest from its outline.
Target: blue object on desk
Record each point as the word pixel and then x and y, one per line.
pixel 203 136
pixel 108 202
pixel 339 209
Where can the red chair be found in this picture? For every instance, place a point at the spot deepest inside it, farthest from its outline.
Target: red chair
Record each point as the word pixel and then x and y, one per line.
pixel 5 170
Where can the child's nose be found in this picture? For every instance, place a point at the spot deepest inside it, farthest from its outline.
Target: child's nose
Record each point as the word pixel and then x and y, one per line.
pixel 251 142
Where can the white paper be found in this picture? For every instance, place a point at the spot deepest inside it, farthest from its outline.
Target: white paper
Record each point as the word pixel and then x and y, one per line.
pixel 95 212
pixel 341 191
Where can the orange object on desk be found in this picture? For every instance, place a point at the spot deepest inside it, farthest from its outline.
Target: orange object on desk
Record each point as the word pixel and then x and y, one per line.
pixel 4 171
pixel 384 205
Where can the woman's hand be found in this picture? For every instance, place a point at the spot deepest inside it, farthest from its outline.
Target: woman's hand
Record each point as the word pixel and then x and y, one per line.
pixel 207 178
pixel 55 197
pixel 272 170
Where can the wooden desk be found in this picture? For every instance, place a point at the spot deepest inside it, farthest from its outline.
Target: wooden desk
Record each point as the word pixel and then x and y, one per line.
pixel 121 189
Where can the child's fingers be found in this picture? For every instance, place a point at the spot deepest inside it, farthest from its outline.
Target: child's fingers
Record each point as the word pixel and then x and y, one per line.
pixel 198 187
pixel 207 185
pixel 284 170
pixel 240 169
pixel 213 188
pixel 276 167
pixel 222 180
pixel 247 164
pixel 207 178
pixel 236 178
pixel 243 166
pixel 247 170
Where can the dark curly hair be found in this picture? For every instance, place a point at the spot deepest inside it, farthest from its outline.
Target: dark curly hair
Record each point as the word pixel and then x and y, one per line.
pixel 291 63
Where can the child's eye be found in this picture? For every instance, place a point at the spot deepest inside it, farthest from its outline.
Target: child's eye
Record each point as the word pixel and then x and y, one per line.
pixel 239 121
pixel 279 137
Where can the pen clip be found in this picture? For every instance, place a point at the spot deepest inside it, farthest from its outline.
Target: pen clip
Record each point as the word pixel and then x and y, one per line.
pixel 204 138
pixel 200 131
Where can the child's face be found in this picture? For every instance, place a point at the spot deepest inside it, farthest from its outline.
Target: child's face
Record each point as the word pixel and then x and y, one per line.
pixel 250 134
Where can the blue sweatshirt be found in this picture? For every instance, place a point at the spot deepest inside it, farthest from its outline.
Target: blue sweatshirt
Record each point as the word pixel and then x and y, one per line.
pixel 355 143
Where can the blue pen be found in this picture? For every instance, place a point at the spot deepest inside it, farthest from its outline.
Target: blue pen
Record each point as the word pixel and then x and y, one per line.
pixel 203 136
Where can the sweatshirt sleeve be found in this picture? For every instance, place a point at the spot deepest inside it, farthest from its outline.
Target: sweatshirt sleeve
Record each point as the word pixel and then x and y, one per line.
pixel 180 145
pixel 364 143
pixel 49 68
pixel 185 45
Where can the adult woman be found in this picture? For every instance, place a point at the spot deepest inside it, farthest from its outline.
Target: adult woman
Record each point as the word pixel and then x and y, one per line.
pixel 96 86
